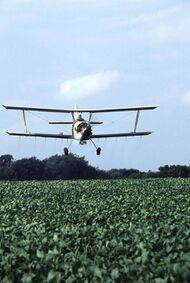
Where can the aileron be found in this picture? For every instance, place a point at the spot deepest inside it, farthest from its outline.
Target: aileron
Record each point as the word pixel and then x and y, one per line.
pixel 41 135
pixel 26 108
pixel 119 135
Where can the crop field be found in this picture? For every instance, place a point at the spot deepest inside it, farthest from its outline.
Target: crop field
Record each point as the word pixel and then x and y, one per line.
pixel 95 231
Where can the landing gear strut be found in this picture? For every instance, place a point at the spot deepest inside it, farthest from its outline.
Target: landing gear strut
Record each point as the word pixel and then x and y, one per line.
pixel 98 149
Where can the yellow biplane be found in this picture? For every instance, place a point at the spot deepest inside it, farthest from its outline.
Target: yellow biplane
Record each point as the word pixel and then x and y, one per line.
pixel 81 128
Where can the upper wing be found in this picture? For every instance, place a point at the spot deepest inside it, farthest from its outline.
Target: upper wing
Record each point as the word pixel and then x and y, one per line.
pixel 26 108
pixel 40 135
pixel 135 108
pixel 133 134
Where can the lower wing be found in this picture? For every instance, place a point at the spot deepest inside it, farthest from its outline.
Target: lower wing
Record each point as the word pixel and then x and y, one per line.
pixel 40 135
pixel 62 136
pixel 132 134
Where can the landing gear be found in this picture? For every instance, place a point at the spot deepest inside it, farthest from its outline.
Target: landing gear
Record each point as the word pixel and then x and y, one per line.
pixel 66 151
pixel 98 150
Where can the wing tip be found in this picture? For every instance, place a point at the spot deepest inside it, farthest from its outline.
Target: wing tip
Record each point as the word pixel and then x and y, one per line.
pixel 157 106
pixel 9 133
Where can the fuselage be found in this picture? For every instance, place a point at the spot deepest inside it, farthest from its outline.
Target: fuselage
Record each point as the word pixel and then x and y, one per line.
pixel 81 130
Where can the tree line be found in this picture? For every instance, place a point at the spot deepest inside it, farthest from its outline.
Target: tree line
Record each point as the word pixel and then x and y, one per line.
pixel 72 167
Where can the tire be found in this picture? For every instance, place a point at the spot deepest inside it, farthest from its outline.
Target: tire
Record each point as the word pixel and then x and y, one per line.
pixel 98 151
pixel 66 151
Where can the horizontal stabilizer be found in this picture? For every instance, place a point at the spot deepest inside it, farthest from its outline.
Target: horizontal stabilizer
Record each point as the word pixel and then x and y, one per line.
pixel 71 123
pixel 40 135
pixel 60 123
pixel 95 123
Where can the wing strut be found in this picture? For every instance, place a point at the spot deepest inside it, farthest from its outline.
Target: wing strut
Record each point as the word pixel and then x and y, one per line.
pixel 90 116
pixel 136 121
pixel 25 123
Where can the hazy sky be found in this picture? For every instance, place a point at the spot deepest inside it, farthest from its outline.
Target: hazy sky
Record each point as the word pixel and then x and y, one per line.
pixel 98 53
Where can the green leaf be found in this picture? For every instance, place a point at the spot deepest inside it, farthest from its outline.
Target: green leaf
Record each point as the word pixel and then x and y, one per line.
pixel 115 273
pixel 97 272
pixel 54 277
pixel 55 237
pixel 160 280
pixel 27 278
pixel 40 254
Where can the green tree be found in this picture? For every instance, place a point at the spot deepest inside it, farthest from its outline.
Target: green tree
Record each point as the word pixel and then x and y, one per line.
pixel 28 169
pixel 61 167
pixel 6 162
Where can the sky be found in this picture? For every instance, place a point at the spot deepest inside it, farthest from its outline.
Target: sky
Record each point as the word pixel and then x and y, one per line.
pixel 98 54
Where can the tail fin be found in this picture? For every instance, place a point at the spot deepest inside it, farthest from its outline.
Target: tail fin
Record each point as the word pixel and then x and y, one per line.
pixel 76 113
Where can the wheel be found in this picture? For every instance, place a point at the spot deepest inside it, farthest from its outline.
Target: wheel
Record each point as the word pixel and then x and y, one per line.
pixel 66 151
pixel 98 151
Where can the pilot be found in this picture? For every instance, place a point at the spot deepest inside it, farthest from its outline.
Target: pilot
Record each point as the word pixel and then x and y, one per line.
pixel 80 118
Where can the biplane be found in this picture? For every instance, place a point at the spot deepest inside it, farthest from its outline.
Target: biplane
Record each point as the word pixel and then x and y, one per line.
pixel 81 128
